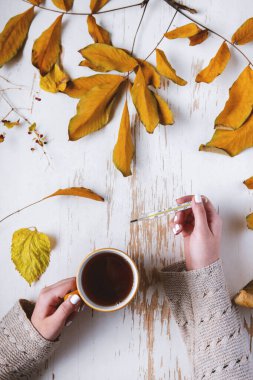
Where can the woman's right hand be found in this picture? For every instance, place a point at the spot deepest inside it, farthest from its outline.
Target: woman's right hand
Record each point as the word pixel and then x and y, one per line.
pixel 201 228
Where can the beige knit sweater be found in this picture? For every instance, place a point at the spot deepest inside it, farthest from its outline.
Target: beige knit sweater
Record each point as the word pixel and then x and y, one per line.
pixel 210 324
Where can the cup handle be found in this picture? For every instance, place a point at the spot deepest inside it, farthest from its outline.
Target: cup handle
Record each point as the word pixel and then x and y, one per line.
pixel 71 294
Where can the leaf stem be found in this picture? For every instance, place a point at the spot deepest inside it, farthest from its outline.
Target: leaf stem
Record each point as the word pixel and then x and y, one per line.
pixel 86 14
pixel 23 208
pixel 161 39
pixel 139 25
pixel 172 4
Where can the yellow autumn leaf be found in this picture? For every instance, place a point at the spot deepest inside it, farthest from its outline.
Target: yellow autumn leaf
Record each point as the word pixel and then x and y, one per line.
pixel 32 127
pixel 199 37
pixel 239 104
pixel 145 102
pixel 245 296
pixel 56 80
pixel 249 219
pixel 14 34
pixel 2 137
pixel 93 66
pixel 164 112
pixel 96 5
pixel 124 149
pixel 77 192
pixel 231 142
pixel 108 58
pixel 30 253
pixel 10 124
pixel 165 68
pixel 65 5
pixel 79 86
pixel 244 33
pixel 184 31
pixel 216 66
pixel 96 31
pixel 152 77
pixel 249 183
pixel 94 109
pixel 47 47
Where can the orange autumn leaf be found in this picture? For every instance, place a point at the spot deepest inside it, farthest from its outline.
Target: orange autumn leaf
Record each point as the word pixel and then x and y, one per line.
pixel 65 5
pixel 124 149
pixel 245 296
pixel 249 183
pixel 239 104
pixel 231 142
pixel 216 66
pixel 36 2
pixel 79 86
pixel 244 33
pixel 96 31
pixel 96 5
pixel 165 68
pixel 47 47
pixel 14 34
pixel 249 219
pixel 152 77
pixel 199 37
pixel 164 111
pixel 145 103
pixel 77 192
pixel 184 31
pixel 108 58
pixel 56 80
pixel 94 109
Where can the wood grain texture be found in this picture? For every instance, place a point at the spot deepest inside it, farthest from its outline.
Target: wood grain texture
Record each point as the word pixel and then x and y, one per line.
pixel 142 341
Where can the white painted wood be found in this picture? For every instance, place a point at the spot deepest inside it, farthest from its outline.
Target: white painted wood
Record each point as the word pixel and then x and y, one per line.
pixel 140 342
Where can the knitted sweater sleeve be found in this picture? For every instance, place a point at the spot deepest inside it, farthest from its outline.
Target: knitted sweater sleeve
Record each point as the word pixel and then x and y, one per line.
pixel 210 324
pixel 22 348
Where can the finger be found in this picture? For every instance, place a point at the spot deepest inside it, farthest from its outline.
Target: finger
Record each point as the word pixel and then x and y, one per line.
pixel 177 229
pixel 185 198
pixel 199 212
pixel 51 297
pixel 179 217
pixel 213 218
pixel 69 280
pixel 65 310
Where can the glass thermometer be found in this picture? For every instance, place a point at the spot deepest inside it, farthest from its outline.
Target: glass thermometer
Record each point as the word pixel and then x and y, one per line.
pixel 158 214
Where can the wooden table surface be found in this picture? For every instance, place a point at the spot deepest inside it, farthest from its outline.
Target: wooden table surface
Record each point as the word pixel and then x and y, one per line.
pixel 141 341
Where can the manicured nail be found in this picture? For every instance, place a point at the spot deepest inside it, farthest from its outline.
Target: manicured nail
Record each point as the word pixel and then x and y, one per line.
pixel 176 218
pixel 176 229
pixel 198 198
pixel 74 299
pixel 68 323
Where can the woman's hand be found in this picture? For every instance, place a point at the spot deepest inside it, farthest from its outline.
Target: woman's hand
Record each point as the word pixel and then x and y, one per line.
pixel 51 314
pixel 201 229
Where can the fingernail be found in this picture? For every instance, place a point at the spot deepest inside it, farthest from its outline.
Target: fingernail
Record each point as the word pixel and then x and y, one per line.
pixel 82 308
pixel 74 299
pixel 198 198
pixel 176 229
pixel 68 323
pixel 176 218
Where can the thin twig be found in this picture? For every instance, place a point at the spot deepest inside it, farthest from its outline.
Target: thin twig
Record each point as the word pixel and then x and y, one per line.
pixel 23 208
pixel 207 28
pixel 13 84
pixel 161 39
pixel 86 14
pixel 16 110
pixel 139 25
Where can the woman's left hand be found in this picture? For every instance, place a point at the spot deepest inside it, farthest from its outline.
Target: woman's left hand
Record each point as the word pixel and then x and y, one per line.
pixel 51 314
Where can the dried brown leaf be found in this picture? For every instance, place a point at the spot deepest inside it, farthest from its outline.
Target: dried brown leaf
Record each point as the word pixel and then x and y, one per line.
pixel 96 31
